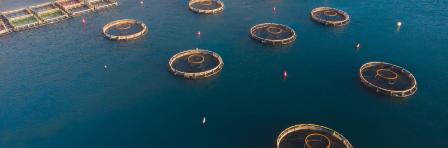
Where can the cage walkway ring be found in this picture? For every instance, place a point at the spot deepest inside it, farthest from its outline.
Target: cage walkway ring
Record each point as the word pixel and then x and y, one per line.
pixel 117 25
pixel 402 85
pixel 328 16
pixel 215 69
pixel 296 136
pixel 266 34
pixel 206 6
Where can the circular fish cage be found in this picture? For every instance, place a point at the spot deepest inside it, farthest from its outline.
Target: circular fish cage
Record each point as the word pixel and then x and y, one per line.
pixel 206 6
pixel 330 16
pixel 273 34
pixel 126 29
pixel 311 136
pixel 195 64
pixel 389 79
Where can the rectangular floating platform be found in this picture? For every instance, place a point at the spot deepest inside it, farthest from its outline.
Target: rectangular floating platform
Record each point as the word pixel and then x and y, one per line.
pixel 102 4
pixel 49 13
pixel 3 28
pixel 74 7
pixel 21 19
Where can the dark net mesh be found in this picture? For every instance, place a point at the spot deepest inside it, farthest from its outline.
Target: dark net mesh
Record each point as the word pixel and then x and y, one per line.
pixel 124 29
pixel 197 62
pixel 69 2
pixel 79 9
pixel 388 77
pixel 17 14
pixel 43 8
pixel 206 5
pixel 273 32
pixel 330 15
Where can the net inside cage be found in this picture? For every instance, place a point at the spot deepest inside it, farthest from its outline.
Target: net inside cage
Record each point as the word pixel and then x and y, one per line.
pixel 310 139
pixel 195 62
pixel 44 8
pixel 330 15
pixel 125 28
pixel 79 9
pixel 17 14
pixel 206 5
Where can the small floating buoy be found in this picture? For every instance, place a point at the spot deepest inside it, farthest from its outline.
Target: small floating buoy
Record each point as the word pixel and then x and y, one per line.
pixel 83 21
pixel 357 46
pixel 141 2
pixel 204 120
pixel 198 34
pixel 399 24
pixel 105 66
pixel 285 74
pixel 274 9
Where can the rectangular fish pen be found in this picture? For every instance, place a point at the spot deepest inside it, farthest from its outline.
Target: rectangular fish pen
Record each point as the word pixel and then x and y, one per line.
pixel 21 19
pixel 49 13
pixel 74 7
pixel 3 28
pixel 102 4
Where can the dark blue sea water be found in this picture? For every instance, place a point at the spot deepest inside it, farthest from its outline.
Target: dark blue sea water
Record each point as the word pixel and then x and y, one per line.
pixel 54 91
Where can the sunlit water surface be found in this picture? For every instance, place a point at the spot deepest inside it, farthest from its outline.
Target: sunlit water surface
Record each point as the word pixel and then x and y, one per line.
pixel 55 91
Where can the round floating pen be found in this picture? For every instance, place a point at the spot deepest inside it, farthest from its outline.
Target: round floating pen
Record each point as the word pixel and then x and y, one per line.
pixel 195 64
pixel 311 136
pixel 389 79
pixel 206 6
pixel 330 16
pixel 273 34
pixel 126 29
